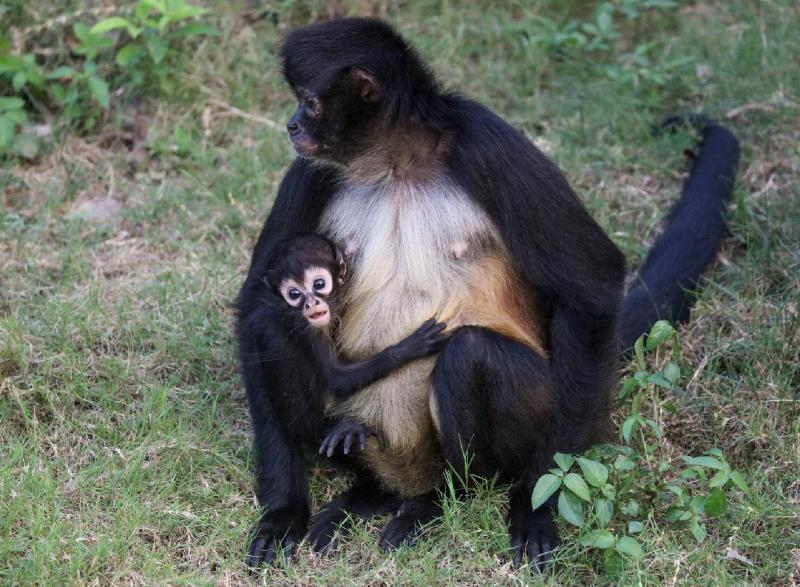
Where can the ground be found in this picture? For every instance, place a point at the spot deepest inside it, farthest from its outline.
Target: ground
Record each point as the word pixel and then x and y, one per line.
pixel 124 434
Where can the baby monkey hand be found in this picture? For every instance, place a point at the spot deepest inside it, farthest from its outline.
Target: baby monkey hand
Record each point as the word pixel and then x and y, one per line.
pixel 347 431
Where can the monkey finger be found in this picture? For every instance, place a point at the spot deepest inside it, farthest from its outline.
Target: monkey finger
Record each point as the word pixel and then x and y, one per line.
pixel 362 440
pixel 325 444
pixel 334 440
pixel 438 327
pixel 348 442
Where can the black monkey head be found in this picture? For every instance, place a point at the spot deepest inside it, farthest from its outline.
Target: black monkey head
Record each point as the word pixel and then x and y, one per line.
pixel 307 270
pixel 351 77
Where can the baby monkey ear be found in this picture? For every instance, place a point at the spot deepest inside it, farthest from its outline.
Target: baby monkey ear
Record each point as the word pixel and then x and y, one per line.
pixel 368 87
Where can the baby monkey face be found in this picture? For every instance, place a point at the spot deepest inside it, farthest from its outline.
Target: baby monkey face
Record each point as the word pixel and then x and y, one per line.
pixel 310 295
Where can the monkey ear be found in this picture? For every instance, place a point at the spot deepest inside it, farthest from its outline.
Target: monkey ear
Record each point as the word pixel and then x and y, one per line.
pixel 368 87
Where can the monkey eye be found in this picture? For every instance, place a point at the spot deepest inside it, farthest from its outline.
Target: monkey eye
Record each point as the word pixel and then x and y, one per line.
pixel 319 284
pixel 311 104
pixel 294 294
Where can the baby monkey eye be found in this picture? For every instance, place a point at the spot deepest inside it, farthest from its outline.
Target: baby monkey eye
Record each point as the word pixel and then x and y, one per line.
pixel 319 284
pixel 294 294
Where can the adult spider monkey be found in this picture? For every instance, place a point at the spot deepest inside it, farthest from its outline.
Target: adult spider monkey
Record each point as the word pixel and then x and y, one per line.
pixel 449 211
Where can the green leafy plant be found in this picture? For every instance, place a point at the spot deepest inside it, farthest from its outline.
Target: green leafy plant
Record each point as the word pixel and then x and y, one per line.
pixel 614 491
pixel 117 56
pixel 150 34
pixel 12 116
pixel 598 35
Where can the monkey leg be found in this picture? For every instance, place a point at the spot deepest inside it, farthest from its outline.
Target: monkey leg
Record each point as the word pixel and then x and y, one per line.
pixel 365 498
pixel 493 406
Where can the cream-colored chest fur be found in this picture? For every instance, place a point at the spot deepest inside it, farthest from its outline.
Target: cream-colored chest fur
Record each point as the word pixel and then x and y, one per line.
pixel 404 239
pixel 407 242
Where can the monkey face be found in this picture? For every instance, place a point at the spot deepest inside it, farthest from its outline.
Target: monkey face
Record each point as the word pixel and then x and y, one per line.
pixel 330 123
pixel 311 295
pixel 305 125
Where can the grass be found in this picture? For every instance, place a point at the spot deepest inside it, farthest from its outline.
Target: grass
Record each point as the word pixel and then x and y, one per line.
pixel 124 437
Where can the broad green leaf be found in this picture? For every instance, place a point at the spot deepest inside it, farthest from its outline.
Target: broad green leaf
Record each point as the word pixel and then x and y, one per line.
pixel 570 508
pixel 99 90
pixel 19 117
pixel 631 508
pixel 128 54
pixel 197 29
pixel 81 31
pixel 698 530
pixel 7 130
pixel 116 22
pixel 563 461
pixel 11 103
pixel 158 47
pixel 154 4
pixel 595 473
pixel 598 538
pixel 710 462
pixel 628 427
pixel 716 504
pixel 609 491
pixel 604 22
pixel 603 511
pixel 613 562
pixel 677 515
pixel 719 480
pixel 557 472
pixel 19 80
pixel 714 452
pixel 627 388
pixel 698 504
pixel 578 486
pixel 738 479
pixel 634 527
pixel 546 486
pixel 660 380
pixel 623 463
pixel 629 546
pixel 62 72
pixel 660 332
pixel 672 372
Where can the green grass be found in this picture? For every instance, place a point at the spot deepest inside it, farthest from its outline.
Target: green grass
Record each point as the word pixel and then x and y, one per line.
pixel 124 436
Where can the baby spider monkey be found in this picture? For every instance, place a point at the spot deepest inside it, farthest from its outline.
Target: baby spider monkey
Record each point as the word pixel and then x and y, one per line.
pixel 308 271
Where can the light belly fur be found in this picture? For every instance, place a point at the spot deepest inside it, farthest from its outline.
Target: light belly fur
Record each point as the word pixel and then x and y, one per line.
pixel 403 271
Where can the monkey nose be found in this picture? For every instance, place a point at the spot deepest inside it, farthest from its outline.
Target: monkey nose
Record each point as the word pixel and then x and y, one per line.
pixel 293 128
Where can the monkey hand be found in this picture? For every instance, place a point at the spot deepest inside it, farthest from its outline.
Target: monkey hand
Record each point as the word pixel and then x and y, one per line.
pixel 347 431
pixel 424 341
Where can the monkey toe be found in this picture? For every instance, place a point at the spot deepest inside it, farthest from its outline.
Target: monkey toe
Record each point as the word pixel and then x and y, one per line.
pixel 266 546
pixel 534 537
pixel 398 531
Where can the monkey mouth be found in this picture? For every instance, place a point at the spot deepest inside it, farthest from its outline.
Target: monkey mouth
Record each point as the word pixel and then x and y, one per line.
pixel 304 147
pixel 319 318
